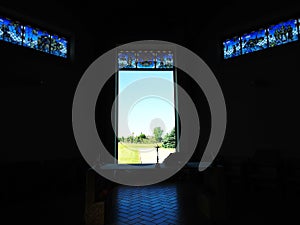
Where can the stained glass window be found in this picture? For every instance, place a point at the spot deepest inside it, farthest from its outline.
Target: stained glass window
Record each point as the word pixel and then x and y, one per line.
pixel 126 59
pixel 232 47
pixel 164 59
pixel 298 28
pixel 11 31
pixel 254 41
pixel 36 39
pixel 59 46
pixel 283 33
pixel 146 59
pixel 16 33
pixel 274 35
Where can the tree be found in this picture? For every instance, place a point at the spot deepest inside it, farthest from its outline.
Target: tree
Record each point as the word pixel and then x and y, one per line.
pixel 169 140
pixel 136 139
pixel 158 134
pixel 142 136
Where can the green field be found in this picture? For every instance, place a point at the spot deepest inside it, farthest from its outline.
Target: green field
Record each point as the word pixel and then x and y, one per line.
pixel 134 146
pixel 128 154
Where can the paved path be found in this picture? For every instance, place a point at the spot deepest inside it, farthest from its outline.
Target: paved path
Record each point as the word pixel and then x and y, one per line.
pixel 148 155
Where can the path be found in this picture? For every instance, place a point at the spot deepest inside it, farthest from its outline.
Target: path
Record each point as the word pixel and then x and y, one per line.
pixel 148 155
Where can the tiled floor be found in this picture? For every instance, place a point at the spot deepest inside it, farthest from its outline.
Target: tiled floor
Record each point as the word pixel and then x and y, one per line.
pixel 155 204
pixel 49 196
pixel 165 203
pixel 180 204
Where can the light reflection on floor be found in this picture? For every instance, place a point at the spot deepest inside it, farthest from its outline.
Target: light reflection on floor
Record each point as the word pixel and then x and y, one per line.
pixel 157 204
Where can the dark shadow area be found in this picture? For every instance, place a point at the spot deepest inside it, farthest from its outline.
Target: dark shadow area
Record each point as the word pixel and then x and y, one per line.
pixel 255 178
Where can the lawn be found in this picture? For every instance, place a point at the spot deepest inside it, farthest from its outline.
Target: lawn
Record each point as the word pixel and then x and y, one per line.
pixel 135 146
pixel 128 155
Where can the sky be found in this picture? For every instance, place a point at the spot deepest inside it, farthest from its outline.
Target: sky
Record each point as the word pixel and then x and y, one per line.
pixel 142 111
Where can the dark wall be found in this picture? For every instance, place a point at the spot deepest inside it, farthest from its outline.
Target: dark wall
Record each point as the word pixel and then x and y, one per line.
pixel 37 89
pixel 260 88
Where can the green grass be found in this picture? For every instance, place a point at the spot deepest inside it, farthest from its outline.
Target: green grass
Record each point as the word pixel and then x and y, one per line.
pixel 134 146
pixel 128 155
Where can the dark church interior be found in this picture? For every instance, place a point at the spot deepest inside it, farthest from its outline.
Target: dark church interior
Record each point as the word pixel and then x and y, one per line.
pixel 254 179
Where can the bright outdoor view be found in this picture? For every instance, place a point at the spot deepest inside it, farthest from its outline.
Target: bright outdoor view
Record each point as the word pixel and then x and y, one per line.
pixel 151 122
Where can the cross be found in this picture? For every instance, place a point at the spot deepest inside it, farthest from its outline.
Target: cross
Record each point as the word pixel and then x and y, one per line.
pixel 157 158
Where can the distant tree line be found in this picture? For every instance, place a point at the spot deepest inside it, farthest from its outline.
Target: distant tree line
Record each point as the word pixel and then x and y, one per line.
pixel 168 141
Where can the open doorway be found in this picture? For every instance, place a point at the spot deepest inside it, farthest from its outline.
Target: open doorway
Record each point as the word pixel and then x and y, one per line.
pixel 146 123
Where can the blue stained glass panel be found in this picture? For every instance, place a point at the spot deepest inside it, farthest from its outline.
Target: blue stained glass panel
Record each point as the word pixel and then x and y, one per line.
pixel 298 28
pixel 10 31
pixel 146 59
pixel 232 47
pixel 282 33
pixel 59 46
pixel 36 39
pixel 126 59
pixel 254 41
pixel 164 59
